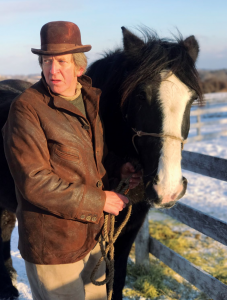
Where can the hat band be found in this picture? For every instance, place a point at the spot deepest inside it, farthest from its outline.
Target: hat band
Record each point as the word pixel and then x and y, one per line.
pixel 59 47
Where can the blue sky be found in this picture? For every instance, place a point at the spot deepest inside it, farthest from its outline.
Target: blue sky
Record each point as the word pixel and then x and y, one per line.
pixel 100 23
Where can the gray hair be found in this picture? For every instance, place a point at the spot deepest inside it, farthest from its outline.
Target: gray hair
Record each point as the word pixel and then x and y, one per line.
pixel 79 59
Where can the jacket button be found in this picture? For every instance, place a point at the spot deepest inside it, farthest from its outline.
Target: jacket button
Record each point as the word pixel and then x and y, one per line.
pixel 82 217
pixel 88 218
pixel 94 219
pixel 86 127
pixel 99 184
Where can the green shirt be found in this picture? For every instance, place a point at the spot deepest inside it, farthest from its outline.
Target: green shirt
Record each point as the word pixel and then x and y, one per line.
pixel 77 102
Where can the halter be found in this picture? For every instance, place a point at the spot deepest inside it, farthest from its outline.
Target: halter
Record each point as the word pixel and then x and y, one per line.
pixel 141 133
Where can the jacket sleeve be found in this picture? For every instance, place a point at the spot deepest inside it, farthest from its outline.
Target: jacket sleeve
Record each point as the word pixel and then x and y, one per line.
pixel 28 158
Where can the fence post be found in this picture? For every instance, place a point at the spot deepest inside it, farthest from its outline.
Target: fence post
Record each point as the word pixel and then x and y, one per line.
pixel 199 128
pixel 142 244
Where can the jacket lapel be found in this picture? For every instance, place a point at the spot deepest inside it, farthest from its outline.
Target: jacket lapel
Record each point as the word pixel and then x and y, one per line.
pixel 91 97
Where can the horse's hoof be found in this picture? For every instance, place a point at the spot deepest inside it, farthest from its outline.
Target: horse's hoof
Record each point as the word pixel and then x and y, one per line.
pixel 13 274
pixel 10 269
pixel 9 293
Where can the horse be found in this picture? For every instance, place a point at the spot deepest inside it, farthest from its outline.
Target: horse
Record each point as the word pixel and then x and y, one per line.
pixel 148 87
pixel 9 89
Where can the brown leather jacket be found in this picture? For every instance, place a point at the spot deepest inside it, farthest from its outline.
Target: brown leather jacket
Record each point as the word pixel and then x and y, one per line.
pixel 55 158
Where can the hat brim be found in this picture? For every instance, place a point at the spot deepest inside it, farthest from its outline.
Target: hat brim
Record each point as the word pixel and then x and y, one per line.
pixel 77 49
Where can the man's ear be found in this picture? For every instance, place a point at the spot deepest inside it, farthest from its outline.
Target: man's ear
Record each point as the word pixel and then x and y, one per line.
pixel 79 72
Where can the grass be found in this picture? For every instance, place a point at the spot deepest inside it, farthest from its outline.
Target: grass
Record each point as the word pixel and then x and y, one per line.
pixel 146 281
pixel 159 281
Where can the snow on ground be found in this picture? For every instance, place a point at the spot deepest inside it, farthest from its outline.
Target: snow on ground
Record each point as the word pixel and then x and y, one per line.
pixel 204 193
pixel 18 263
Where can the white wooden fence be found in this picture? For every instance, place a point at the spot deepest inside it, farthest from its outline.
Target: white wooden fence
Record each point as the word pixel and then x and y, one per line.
pixel 199 124
pixel 209 166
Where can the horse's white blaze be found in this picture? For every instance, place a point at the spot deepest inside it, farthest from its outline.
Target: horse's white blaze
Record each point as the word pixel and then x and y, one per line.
pixel 173 96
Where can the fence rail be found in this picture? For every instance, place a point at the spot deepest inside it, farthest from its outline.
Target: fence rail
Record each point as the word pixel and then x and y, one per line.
pixel 202 280
pixel 214 167
pixel 199 125
pixel 213 98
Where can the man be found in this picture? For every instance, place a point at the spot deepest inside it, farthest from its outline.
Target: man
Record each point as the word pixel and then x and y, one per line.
pixel 54 147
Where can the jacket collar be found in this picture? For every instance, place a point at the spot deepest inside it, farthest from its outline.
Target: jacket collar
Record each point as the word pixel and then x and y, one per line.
pixel 90 96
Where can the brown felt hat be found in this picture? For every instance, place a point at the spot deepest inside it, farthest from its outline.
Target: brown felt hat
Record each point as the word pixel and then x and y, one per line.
pixel 59 38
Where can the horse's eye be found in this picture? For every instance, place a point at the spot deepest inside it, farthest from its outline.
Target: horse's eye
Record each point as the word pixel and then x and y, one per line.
pixel 142 95
pixel 195 98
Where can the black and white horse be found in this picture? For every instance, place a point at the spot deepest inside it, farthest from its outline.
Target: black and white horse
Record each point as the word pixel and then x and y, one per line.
pixel 147 91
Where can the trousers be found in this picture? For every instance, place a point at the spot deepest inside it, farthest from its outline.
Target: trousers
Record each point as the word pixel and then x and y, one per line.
pixel 67 281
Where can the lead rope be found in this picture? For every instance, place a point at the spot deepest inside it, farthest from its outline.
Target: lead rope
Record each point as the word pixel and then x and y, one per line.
pixel 110 238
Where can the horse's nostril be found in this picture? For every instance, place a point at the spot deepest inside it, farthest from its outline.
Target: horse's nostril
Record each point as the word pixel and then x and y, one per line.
pixel 173 196
pixel 184 184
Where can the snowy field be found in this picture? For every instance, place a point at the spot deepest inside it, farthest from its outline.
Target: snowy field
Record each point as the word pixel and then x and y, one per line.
pixel 206 194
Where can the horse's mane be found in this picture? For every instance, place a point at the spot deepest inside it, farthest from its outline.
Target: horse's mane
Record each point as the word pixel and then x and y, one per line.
pixel 147 62
pixel 159 54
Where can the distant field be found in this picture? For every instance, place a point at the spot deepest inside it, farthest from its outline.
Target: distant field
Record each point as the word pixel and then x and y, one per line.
pixel 212 81
pixel 31 78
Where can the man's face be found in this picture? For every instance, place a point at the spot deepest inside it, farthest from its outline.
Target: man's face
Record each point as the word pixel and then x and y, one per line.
pixel 61 74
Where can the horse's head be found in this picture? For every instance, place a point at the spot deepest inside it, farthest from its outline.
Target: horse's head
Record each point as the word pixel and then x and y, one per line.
pixel 159 89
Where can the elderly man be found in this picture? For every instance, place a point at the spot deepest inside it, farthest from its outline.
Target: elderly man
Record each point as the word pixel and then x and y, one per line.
pixel 54 147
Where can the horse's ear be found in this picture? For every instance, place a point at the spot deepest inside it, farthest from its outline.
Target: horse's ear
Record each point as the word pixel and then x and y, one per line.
pixel 192 46
pixel 131 41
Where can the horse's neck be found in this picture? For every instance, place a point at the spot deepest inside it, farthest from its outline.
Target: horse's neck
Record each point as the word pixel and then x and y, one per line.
pixel 108 75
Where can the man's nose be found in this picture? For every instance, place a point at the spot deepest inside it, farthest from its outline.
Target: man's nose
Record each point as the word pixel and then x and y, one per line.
pixel 54 67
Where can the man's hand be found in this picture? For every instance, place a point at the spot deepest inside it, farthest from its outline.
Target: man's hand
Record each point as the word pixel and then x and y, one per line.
pixel 114 203
pixel 128 170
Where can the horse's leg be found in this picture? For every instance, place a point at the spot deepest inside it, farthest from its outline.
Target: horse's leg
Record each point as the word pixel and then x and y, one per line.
pixel 123 246
pixel 8 221
pixel 7 290
pixel 122 250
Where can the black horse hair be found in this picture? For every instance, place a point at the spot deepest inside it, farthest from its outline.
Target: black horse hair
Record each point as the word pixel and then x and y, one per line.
pixel 154 56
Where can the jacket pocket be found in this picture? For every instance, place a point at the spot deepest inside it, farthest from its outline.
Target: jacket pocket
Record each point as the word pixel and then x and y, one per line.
pixel 62 235
pixel 66 153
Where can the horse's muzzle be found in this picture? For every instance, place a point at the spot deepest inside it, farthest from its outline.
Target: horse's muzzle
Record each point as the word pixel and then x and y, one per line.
pixel 157 200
